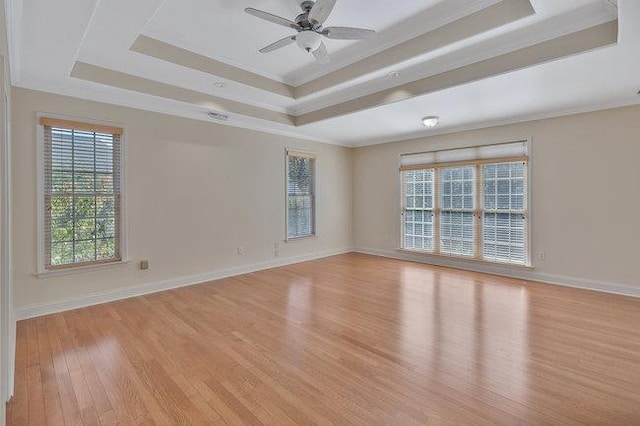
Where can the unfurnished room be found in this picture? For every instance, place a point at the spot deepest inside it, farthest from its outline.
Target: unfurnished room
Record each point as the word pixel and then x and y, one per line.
pixel 332 212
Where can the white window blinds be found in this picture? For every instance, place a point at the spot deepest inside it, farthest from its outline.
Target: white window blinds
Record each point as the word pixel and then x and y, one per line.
pixel 301 195
pixel 82 194
pixel 480 154
pixel 469 202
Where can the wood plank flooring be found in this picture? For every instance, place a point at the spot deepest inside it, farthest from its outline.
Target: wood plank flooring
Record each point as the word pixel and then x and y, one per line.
pixel 350 339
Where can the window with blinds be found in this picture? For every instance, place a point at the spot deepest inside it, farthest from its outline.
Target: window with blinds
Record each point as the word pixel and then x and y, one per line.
pixel 301 199
pixel 470 203
pixel 82 194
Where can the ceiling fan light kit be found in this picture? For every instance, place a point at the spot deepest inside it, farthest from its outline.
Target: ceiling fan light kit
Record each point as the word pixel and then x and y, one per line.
pixel 310 30
pixel 309 40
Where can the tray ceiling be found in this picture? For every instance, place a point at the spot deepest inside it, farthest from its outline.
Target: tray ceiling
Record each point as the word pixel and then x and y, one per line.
pixel 473 62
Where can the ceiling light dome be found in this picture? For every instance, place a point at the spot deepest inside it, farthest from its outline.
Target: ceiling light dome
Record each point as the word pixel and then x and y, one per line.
pixel 309 40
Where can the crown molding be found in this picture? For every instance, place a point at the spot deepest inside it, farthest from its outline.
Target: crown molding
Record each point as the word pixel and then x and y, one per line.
pixel 167 52
pixel 461 23
pixel 568 45
pixel 469 26
pixel 419 25
pixel 152 104
pixel 126 81
pixel 525 118
pixel 574 21
pixel 130 99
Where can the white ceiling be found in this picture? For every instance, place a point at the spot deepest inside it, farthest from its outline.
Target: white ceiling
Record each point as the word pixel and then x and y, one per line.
pixel 221 30
pixel 47 38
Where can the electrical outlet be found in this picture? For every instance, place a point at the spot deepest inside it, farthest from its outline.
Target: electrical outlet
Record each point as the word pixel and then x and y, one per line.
pixel 542 255
pixel 240 250
pixel 144 265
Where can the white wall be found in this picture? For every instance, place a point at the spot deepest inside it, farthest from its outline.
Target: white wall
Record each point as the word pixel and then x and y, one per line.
pixel 225 187
pixel 195 192
pixel 7 321
pixel 585 197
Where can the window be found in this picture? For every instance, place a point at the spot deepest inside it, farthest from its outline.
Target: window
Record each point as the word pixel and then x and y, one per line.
pixel 457 234
pixel 503 214
pixel 82 203
pixel 469 203
pixel 418 224
pixel 301 195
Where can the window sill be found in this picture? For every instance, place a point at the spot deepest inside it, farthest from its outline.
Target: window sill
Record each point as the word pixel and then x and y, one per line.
pixel 466 259
pixel 81 269
pixel 306 237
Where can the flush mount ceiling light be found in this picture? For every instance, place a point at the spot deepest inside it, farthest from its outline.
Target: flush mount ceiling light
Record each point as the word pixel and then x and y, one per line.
pixel 220 85
pixel 394 74
pixel 430 121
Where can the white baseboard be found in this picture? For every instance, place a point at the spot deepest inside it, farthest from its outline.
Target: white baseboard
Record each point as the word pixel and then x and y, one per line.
pixel 509 271
pixel 38 310
pixel 12 353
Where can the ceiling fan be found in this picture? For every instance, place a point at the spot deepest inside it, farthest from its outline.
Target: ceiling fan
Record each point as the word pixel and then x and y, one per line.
pixel 310 30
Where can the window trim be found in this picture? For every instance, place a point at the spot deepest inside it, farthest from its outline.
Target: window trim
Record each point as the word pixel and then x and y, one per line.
pixel 529 264
pixel 41 269
pixel 290 152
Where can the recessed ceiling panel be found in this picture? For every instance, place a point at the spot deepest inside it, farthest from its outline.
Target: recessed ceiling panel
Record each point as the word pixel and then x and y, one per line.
pixel 223 31
pixel 201 55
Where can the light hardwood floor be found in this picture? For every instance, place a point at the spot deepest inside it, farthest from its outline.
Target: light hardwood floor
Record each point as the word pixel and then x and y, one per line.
pixel 351 339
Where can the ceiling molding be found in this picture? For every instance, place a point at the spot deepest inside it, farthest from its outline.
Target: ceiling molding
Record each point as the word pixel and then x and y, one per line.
pixel 491 17
pixel 134 83
pixel 500 14
pixel 144 102
pixel 568 45
pixel 438 62
pixel 433 17
pixel 167 52
pixel 472 78
pixel 526 118
pixel 149 103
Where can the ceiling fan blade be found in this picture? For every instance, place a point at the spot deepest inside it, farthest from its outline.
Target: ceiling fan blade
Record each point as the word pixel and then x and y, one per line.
pixel 321 54
pixel 278 44
pixel 321 11
pixel 271 18
pixel 347 33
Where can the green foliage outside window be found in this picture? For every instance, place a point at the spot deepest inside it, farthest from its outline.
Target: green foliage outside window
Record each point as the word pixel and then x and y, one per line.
pixel 300 195
pixel 82 197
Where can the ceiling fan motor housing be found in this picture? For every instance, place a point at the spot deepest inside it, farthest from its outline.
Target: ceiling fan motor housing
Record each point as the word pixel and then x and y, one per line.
pixel 303 21
pixel 307 5
pixel 309 25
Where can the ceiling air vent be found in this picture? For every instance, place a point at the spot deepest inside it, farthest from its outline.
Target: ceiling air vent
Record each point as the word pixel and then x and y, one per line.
pixel 218 116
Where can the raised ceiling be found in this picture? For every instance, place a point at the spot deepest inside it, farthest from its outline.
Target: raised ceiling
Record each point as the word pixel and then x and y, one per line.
pixel 472 62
